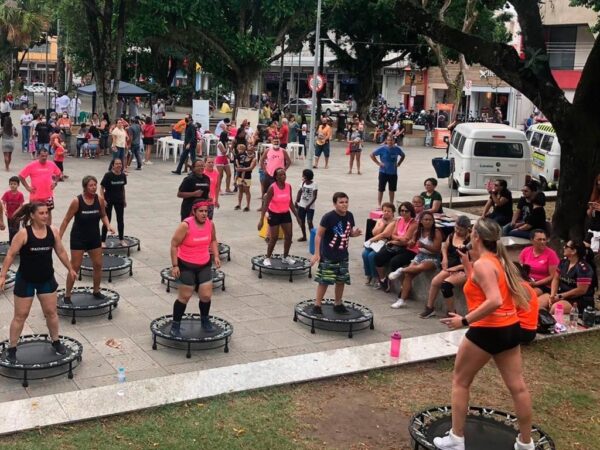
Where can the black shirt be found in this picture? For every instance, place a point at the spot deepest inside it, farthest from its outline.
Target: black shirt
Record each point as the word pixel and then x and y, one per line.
pixel 334 245
pixel 190 135
pixel 35 265
pixel 87 220
pixel 506 209
pixel 244 161
pixel 537 218
pixel 43 131
pixel 525 207
pixel 114 187
pixel 192 183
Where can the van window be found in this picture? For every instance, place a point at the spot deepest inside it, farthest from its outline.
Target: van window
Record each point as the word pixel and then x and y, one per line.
pixel 498 149
pixel 536 139
pixel 461 144
pixel 547 143
pixel 455 139
pixel 528 134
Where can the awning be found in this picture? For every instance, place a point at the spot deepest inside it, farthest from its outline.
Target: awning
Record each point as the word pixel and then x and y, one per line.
pixel 125 90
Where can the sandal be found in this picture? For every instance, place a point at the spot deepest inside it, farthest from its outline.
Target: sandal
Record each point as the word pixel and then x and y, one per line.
pixel 237 208
pixel 246 209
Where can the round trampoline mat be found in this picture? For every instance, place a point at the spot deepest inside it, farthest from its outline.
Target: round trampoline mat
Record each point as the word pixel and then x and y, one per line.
pixel 358 317
pixel 82 298
pixel 109 262
pixel 36 352
pixel 191 330
pixel 218 278
pixel 114 243
pixel 225 250
pixel 4 246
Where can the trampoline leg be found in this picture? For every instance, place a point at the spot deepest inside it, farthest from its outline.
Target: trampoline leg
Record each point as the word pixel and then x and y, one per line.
pixel 295 319
pixel 260 272
pixel 291 280
pixel 189 351
pixel 310 272
pixel 70 375
pixel 131 271
pixel 110 312
pixel 168 286
pixel 372 326
pixel 312 326
pixel 128 251
pixel 139 247
pixel 350 332
pixel 223 285
pixel 25 382
pixel 228 256
pixel 110 276
pixel 154 347
pixel 73 320
pixel 226 349
pixel 79 274
pixel 253 268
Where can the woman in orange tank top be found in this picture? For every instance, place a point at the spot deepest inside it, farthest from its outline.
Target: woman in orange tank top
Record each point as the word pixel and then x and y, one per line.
pixel 279 202
pixel 494 292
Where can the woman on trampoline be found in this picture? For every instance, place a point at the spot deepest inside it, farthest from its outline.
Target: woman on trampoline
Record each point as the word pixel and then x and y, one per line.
pixel 192 245
pixel 88 209
pixel 34 244
pixel 278 201
pixel 493 291
pixel 113 190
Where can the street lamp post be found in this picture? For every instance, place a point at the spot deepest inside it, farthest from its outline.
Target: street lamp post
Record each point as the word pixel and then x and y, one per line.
pixel 310 154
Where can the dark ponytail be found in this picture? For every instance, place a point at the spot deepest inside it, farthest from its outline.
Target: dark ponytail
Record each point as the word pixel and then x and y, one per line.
pixel 24 214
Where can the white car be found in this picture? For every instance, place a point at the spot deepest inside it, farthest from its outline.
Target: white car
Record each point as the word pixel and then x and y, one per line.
pixel 301 104
pixel 333 106
pixel 39 88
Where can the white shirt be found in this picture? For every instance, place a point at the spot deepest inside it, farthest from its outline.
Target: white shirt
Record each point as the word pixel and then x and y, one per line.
pixel 307 195
pixel 62 103
pixel 5 107
pixel 220 128
pixel 26 119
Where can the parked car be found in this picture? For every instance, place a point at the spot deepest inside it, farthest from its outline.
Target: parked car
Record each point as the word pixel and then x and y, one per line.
pixel 546 154
pixel 332 106
pixel 302 104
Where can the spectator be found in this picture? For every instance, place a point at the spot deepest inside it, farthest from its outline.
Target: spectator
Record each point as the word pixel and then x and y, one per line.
pixel 294 128
pixel 535 220
pixel 432 199
pixel 284 133
pixel 324 135
pixel 388 168
pixel 429 242
pixel 500 203
pixel 540 262
pixel 381 232
pixel 8 133
pixel 574 281
pixel 354 139
pixel 26 119
pixel 524 207
pixel 453 273
pixel 593 213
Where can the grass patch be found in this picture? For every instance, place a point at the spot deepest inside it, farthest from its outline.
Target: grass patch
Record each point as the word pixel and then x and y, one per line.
pixel 369 410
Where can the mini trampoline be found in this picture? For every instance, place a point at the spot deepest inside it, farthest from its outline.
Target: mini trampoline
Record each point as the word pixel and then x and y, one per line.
pixel 36 359
pixel 192 334
pixel 10 279
pixel 84 303
pixel 218 279
pixel 113 244
pixel 485 429
pixel 277 267
pixel 358 318
pixel 4 246
pixel 113 264
pixel 224 250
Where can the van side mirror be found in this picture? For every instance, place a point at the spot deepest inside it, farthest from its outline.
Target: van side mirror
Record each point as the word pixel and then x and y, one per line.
pixel 446 139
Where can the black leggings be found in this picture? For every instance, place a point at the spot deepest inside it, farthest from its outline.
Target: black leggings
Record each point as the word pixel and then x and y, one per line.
pixel 400 258
pixel 119 210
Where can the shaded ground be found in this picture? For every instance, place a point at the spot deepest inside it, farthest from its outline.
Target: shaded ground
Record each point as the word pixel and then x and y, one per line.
pixel 363 411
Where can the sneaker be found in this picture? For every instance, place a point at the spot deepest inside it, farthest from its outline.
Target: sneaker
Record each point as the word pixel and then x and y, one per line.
pixel 174 172
pixel 11 354
pixel 395 274
pixel 427 313
pixel 398 303
pixel 59 348
pixel 316 310
pixel 175 329
pixel 149 163
pixel 67 301
pixel 449 442
pixel 384 284
pixel 99 296
pixel 246 209
pixel 521 446
pixel 288 260
pixel 340 309
pixel 237 208
pixel 206 325
pixel 377 285
pixel 267 262
pixel 368 281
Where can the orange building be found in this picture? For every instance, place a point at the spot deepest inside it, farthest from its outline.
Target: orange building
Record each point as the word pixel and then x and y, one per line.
pixel 33 67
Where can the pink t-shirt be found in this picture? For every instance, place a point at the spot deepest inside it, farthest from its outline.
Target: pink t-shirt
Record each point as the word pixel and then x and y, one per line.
pixel 540 265
pixel 41 179
pixel 214 177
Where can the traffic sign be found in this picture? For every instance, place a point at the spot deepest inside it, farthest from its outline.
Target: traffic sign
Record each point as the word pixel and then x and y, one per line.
pixel 316 83
pixel 468 86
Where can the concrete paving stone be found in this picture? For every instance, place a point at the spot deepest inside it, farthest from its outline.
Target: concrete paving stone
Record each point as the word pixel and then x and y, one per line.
pixel 126 347
pixel 93 366
pixel 38 388
pixel 245 313
pixel 13 394
pixel 138 360
pixel 288 338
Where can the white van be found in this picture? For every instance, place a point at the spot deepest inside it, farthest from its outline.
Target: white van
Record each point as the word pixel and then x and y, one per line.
pixel 545 152
pixel 483 152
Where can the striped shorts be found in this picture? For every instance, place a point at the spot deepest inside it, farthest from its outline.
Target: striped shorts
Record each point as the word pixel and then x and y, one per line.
pixel 332 272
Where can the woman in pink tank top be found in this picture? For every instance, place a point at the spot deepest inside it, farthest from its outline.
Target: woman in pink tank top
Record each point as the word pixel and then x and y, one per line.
pixel 192 245
pixel 278 201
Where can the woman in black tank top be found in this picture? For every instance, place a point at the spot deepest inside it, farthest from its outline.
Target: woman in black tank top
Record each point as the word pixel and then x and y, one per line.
pixel 34 243
pixel 88 210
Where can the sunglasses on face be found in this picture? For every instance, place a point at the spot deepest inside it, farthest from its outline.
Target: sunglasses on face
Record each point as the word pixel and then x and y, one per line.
pixel 569 246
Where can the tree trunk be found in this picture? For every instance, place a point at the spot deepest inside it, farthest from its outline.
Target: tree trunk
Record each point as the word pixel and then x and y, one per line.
pixel 171 72
pixel 366 91
pixel 60 65
pixel 242 92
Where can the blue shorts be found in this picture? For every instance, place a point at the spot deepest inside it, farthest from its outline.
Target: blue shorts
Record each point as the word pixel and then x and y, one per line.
pixel 322 149
pixel 27 289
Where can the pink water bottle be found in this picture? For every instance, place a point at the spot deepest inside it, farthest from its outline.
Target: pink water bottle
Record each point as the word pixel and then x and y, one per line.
pixel 559 313
pixel 395 339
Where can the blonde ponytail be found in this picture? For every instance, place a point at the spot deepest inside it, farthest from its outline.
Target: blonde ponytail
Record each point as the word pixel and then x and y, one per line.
pixel 518 292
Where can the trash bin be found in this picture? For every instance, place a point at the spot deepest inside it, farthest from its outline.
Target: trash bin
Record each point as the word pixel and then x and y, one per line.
pixel 408 126
pixel 442 167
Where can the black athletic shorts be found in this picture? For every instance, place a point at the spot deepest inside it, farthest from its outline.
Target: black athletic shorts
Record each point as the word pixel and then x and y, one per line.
pixel 494 340
pixel 527 336
pixel 390 180
pixel 193 274
pixel 28 289
pixel 304 214
pixel 90 243
pixel 276 219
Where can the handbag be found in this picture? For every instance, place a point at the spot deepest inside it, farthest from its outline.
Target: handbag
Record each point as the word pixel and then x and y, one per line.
pixel 546 322
pixel 348 149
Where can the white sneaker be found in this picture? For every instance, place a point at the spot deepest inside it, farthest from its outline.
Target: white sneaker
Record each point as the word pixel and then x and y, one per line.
pixel 449 442
pixel 267 262
pixel 288 260
pixel 398 303
pixel 395 274
pixel 521 446
pixel 149 162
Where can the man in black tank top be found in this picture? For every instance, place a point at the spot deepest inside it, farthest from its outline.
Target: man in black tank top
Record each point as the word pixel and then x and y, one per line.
pixel 35 275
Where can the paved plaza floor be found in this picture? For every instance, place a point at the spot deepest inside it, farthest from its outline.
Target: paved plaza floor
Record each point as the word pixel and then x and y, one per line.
pixel 260 310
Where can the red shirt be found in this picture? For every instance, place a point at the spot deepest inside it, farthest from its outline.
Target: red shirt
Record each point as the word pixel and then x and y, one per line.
pixel 284 134
pixel 148 130
pixel 59 153
pixel 13 201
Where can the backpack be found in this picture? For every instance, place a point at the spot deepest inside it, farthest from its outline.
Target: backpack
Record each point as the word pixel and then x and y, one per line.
pixel 546 322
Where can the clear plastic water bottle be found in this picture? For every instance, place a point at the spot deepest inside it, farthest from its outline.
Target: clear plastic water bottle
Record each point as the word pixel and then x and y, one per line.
pixel 573 317
pixel 121 379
